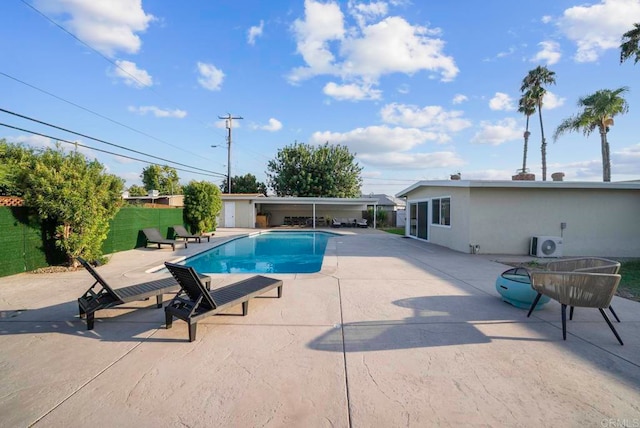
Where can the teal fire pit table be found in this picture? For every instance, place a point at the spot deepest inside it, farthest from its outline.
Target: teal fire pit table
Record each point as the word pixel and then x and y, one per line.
pixel 514 285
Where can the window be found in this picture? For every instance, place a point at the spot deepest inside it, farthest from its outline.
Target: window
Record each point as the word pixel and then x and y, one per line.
pixel 441 211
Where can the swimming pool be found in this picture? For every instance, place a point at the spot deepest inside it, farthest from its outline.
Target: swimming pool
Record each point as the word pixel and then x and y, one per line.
pixel 269 252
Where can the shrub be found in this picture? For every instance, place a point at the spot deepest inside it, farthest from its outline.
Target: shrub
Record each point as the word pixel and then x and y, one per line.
pixel 202 204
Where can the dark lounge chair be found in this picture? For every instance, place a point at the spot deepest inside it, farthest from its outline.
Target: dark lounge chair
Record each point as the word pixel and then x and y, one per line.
pixel 153 236
pixel 181 232
pixel 106 297
pixel 194 302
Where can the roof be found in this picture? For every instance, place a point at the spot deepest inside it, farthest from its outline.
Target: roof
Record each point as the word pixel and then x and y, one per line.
pixel 516 184
pixel 387 200
pixel 259 198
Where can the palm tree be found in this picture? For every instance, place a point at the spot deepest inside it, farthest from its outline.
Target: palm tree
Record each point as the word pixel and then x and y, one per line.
pixel 526 106
pixel 534 83
pixel 630 44
pixel 598 110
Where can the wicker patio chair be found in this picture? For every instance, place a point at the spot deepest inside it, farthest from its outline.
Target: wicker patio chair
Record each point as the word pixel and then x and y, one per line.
pixel 585 264
pixel 580 289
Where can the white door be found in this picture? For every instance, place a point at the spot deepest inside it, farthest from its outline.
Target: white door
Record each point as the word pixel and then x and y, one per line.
pixel 229 214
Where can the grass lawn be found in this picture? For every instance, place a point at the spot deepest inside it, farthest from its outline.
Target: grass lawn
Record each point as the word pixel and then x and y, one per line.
pixel 394 230
pixel 630 283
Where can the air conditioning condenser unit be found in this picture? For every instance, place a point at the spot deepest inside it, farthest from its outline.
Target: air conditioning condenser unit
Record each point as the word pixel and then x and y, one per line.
pixel 546 246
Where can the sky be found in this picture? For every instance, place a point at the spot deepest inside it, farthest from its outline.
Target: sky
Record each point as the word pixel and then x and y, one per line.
pixel 418 90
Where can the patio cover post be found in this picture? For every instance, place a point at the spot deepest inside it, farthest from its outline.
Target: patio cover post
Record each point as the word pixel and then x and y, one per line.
pixel 375 212
pixel 313 212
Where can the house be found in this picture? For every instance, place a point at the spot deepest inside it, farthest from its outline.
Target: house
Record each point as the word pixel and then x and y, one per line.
pixel 394 207
pixel 501 217
pixel 241 210
pixel 155 200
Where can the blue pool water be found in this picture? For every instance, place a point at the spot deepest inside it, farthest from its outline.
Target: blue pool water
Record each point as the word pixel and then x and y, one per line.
pixel 272 252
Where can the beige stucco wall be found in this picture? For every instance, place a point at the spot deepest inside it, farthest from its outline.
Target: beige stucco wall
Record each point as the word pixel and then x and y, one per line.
pixel 244 213
pixel 600 222
pixel 455 236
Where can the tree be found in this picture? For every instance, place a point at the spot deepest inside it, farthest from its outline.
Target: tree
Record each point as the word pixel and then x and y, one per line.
pixel 13 159
pixel 162 178
pixel 320 171
pixel 526 106
pixel 247 183
pixel 631 44
pixel 77 195
pixel 598 111
pixel 534 83
pixel 136 190
pixel 202 204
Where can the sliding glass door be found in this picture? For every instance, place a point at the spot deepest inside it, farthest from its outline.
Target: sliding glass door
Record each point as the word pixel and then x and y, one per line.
pixel 419 221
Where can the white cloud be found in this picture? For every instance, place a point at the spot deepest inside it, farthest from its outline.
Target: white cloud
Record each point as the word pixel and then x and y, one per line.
pixel 546 19
pixel 132 75
pixel 376 139
pixel 364 13
pixel 552 101
pixel 395 46
pixel 109 26
pixel 352 92
pixel 403 89
pixel 506 53
pixel 626 161
pixel 459 99
pixel 501 101
pixel 432 118
pixel 31 140
pixel 273 125
pixel 598 27
pixel 413 160
pixel 549 52
pixel 365 52
pixel 324 22
pixel 497 133
pixel 210 76
pixel 158 112
pixel 254 32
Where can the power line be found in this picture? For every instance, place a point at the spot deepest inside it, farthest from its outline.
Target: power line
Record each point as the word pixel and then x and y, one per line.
pixel 103 141
pixel 101 115
pixel 99 150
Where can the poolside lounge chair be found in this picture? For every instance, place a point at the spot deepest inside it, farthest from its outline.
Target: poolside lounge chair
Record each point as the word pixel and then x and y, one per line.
pixel 581 289
pixel 181 232
pixel 153 236
pixel 362 223
pixel 194 302
pixel 107 297
pixel 336 222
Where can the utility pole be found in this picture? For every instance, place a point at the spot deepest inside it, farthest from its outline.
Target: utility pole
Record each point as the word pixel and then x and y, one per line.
pixel 229 124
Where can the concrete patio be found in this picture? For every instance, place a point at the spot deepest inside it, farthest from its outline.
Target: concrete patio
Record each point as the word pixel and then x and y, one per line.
pixel 392 332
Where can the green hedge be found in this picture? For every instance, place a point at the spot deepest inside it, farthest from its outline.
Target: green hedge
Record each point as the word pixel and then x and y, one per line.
pixel 22 246
pixel 125 229
pixel 25 246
